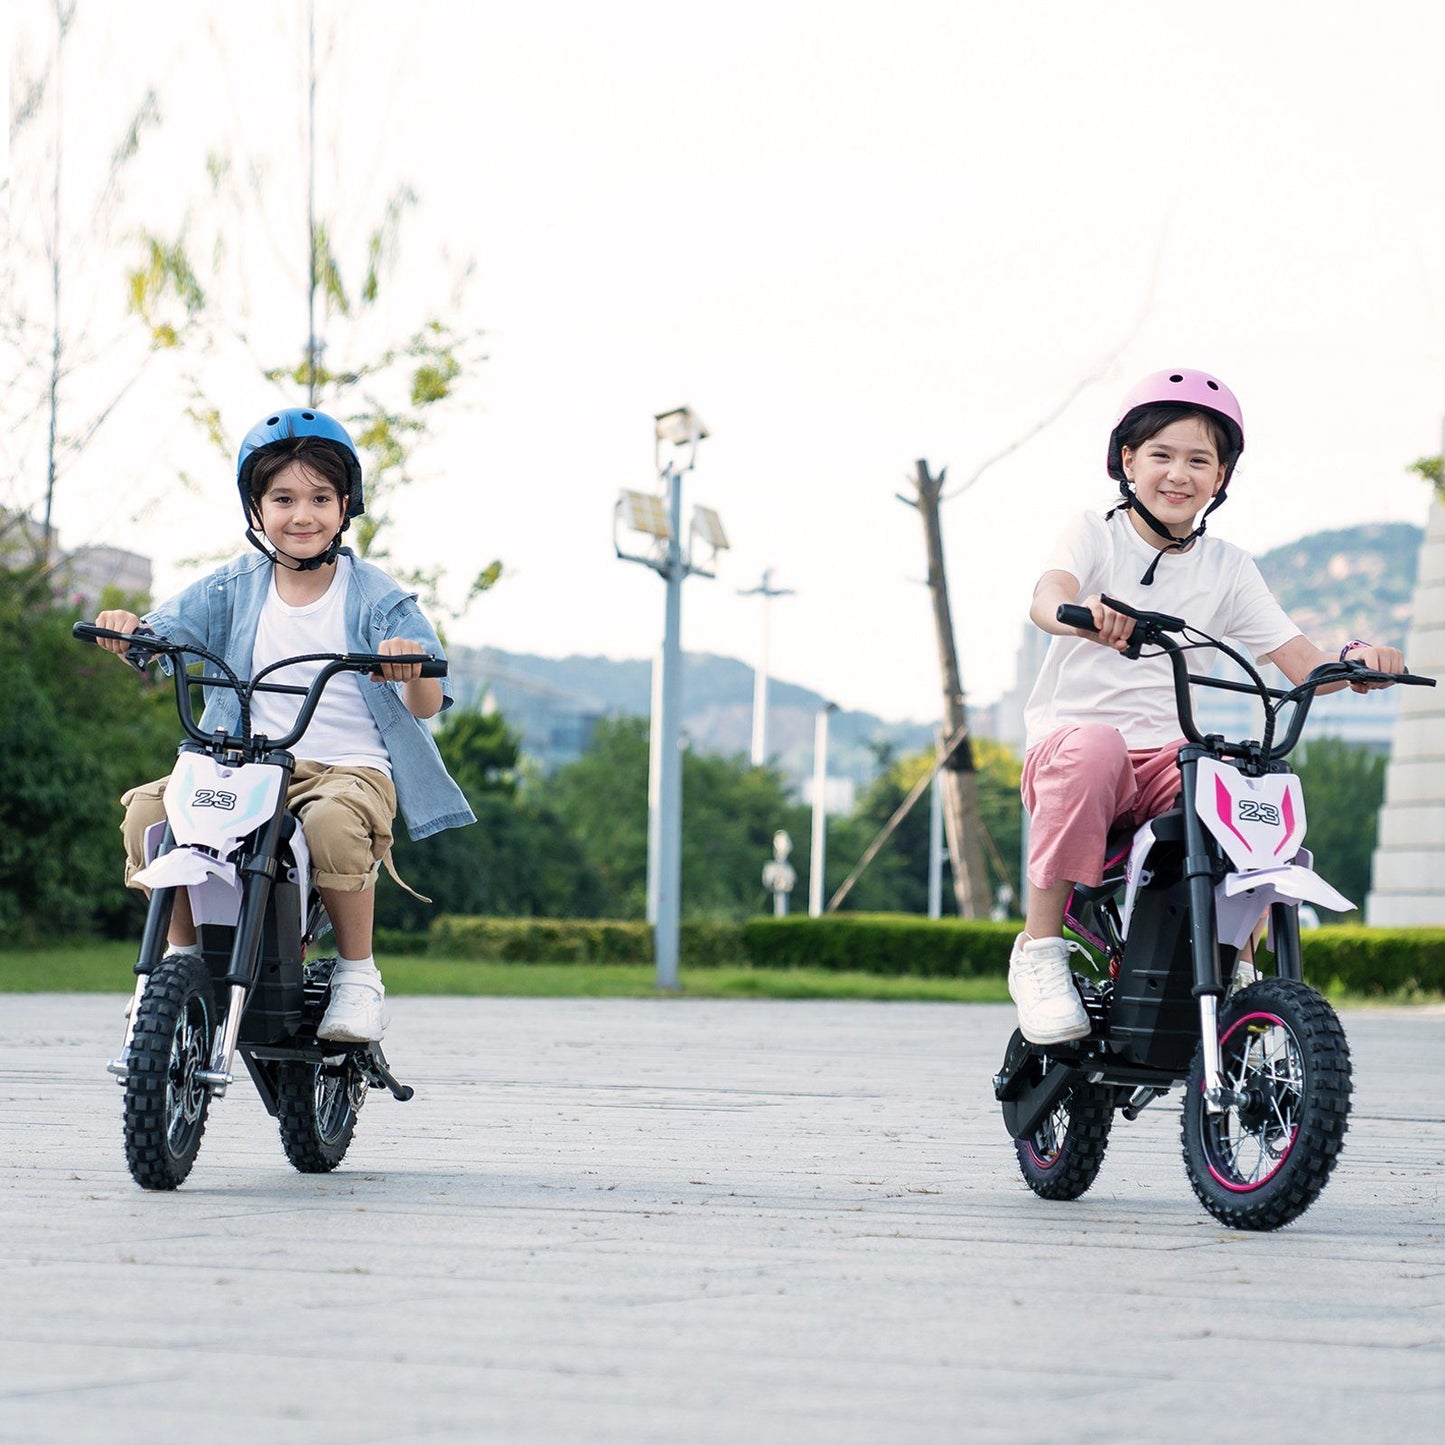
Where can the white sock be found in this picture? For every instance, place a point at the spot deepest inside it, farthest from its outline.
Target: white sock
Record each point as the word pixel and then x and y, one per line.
pixel 358 970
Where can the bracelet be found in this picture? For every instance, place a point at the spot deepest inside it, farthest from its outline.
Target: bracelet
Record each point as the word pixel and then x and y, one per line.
pixel 1350 646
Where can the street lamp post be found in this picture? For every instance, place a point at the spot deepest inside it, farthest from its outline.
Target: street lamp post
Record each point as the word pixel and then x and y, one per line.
pixel 820 810
pixel 765 589
pixel 660 517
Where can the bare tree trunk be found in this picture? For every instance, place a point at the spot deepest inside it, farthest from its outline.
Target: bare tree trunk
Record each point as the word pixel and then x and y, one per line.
pixel 960 779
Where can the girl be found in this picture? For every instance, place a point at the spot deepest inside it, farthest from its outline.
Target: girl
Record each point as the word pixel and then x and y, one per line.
pixel 1102 733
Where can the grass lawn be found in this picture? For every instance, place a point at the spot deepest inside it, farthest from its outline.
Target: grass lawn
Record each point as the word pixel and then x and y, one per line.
pixel 106 968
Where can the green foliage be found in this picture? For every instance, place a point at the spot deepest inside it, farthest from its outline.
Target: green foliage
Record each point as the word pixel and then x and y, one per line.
pixel 1344 786
pixel 1375 961
pixel 481 752
pixel 578 940
pixel 1432 470
pixel 881 943
pixel 730 813
pixel 517 860
pixel 77 728
pixel 896 880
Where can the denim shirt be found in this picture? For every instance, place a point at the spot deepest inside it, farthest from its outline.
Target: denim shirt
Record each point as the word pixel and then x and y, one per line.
pixel 221 613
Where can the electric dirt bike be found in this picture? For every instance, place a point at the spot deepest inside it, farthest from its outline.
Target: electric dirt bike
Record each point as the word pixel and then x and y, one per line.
pixel 229 840
pixel 1177 998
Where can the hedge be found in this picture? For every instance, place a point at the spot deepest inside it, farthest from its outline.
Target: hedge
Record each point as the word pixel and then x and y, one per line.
pixel 886 943
pixel 1369 961
pixel 1375 960
pixel 578 940
pixel 859 943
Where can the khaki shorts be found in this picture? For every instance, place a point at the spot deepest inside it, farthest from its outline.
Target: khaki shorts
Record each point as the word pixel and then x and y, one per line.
pixel 346 814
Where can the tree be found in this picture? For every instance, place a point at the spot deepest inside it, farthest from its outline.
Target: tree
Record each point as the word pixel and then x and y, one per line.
pixel 388 388
pixel 1344 786
pixel 730 812
pixel 896 880
pixel 76 730
pixel 1432 469
pixel 61 215
pixel 517 860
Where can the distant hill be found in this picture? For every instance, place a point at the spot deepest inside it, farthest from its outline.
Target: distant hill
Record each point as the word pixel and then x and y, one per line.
pixel 554 702
pixel 1353 582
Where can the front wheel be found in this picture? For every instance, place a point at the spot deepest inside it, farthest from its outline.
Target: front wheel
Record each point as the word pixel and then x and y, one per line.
pixel 316 1109
pixel 165 1101
pixel 1261 1162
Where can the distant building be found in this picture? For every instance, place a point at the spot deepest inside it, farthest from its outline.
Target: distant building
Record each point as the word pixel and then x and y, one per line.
pixel 83 576
pixel 89 572
pixel 1366 721
pixel 1408 877
pixel 556 726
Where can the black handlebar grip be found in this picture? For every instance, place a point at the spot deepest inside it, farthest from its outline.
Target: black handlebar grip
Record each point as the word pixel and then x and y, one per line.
pixel 1074 616
pixel 85 632
pixel 435 667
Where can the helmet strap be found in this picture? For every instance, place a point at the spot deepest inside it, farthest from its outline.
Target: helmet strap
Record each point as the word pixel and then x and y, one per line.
pixel 295 564
pixel 1131 503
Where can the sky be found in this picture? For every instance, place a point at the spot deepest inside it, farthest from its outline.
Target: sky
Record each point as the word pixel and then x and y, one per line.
pixel 849 236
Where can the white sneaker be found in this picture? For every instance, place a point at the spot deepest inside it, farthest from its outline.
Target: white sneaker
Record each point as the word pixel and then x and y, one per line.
pixel 354 1013
pixel 1040 983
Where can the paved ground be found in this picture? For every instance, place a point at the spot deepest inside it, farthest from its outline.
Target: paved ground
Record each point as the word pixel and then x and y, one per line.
pixel 686 1221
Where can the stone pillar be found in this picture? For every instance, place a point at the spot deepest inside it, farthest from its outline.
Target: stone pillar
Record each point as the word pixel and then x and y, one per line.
pixel 1408 877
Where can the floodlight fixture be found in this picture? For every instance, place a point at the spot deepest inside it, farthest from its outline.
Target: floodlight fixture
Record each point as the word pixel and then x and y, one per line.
pixel 708 525
pixel 646 512
pixel 681 428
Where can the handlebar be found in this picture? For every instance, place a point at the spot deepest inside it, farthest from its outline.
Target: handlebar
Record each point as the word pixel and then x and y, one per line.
pixel 1154 628
pixel 335 663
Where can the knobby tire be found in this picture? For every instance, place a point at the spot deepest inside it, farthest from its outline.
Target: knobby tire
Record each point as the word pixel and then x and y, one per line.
pixel 1260 1166
pixel 165 1104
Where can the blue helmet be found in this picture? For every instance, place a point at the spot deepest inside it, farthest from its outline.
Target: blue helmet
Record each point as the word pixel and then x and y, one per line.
pixel 287 425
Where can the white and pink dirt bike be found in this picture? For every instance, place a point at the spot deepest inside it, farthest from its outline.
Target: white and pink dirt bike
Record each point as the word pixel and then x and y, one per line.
pixel 229 841
pixel 1169 931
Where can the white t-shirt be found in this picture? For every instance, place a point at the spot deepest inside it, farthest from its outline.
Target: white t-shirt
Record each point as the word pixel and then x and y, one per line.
pixel 1214 586
pixel 343 732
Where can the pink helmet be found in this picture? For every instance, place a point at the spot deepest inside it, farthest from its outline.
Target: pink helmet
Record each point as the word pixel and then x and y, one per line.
pixel 1194 389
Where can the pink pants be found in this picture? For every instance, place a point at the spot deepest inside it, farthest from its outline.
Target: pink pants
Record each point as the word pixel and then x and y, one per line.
pixel 1081 782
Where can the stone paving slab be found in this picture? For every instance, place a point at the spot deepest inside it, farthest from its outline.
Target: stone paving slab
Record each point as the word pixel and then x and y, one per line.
pixel 673 1220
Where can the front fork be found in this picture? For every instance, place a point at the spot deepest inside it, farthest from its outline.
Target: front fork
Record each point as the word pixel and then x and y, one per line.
pixel 258 871
pixel 258 875
pixel 152 950
pixel 1203 935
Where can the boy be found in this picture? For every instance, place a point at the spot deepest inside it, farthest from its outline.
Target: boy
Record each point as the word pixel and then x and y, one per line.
pixel 367 749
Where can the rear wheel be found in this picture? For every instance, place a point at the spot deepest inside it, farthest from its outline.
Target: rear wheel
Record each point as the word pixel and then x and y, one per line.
pixel 1062 1157
pixel 165 1101
pixel 1263 1161
pixel 316 1109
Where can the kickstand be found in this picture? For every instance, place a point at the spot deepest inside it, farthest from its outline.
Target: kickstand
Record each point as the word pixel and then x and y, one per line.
pixel 374 1062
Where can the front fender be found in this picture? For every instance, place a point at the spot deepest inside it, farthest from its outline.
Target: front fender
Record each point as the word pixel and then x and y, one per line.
pixel 1242 899
pixel 214 887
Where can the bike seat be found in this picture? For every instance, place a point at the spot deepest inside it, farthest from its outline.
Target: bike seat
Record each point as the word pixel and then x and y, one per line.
pixel 1168 828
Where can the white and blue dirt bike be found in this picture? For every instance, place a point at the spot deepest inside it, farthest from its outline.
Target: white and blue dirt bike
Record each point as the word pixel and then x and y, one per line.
pixel 1176 998
pixel 229 840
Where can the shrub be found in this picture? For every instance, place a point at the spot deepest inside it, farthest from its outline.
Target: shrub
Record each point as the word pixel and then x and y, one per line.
pixel 578 940
pixel 1375 960
pixel 885 943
